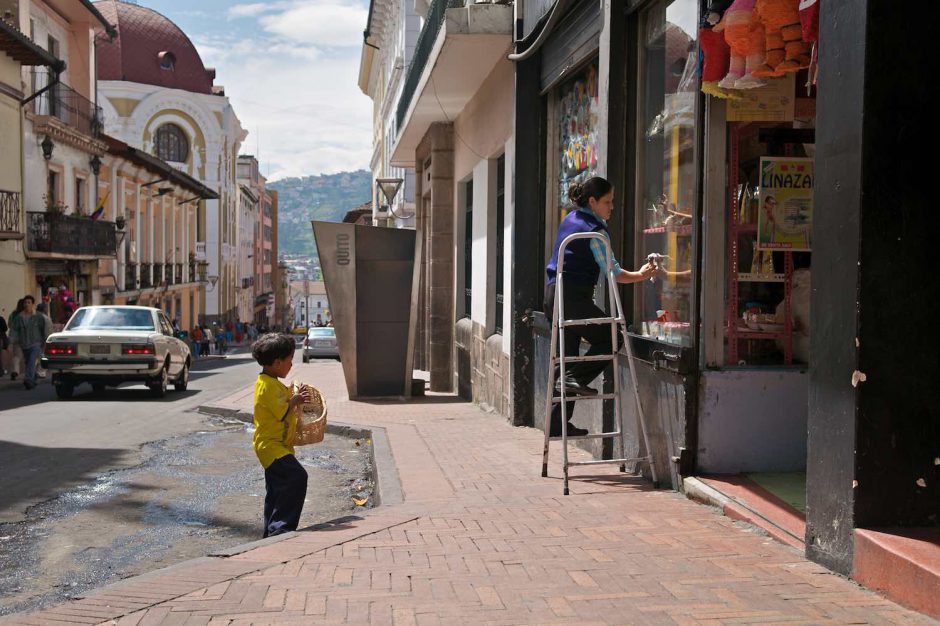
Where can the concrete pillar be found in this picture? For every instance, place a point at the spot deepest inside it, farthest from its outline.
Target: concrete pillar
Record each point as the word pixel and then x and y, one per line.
pixel 438 144
pixel 873 418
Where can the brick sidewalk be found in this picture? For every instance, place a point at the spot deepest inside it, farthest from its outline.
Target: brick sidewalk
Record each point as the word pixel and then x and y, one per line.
pixel 481 539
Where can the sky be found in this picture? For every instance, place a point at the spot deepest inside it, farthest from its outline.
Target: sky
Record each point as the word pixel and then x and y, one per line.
pixel 290 69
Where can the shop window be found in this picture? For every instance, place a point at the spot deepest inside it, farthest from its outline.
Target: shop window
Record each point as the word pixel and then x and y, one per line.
pixel 666 183
pixel 500 237
pixel 573 159
pixel 468 248
pixel 171 144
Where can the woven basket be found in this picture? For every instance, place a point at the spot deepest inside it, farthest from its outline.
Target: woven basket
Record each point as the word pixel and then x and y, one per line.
pixel 311 417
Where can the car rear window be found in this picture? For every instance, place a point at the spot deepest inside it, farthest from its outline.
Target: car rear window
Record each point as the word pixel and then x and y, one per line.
pixel 111 319
pixel 321 332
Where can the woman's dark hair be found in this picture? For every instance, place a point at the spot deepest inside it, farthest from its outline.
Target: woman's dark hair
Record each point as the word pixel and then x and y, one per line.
pixel 271 347
pixel 595 187
pixel 20 305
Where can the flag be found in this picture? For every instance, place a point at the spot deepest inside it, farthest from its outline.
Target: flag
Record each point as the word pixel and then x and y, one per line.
pixel 100 210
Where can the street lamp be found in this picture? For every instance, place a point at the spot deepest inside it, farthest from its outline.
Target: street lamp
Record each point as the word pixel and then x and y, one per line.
pixel 389 188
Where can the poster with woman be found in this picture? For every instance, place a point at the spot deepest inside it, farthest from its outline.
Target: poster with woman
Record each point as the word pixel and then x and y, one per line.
pixel 785 218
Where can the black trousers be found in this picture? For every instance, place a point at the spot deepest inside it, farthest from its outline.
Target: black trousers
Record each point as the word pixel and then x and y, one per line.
pixel 579 304
pixel 285 484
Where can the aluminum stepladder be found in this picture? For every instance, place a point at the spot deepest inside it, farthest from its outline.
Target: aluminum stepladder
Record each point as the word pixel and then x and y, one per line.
pixel 617 324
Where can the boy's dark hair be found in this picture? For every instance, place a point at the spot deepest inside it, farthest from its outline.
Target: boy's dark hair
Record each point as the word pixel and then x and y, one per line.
pixel 270 347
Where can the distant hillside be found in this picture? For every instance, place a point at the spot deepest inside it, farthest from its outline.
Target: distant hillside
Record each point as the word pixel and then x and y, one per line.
pixel 326 197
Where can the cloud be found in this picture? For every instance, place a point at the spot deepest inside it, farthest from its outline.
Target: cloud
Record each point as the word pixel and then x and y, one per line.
pixel 300 103
pixel 247 10
pixel 323 24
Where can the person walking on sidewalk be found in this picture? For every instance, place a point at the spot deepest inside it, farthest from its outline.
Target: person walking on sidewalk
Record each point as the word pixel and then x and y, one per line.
pixel 285 479
pixel 15 354
pixel 29 333
pixel 583 263
pixel 42 309
pixel 4 343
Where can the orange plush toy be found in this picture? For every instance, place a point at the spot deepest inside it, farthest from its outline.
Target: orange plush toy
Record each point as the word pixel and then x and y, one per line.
pixel 745 37
pixel 786 50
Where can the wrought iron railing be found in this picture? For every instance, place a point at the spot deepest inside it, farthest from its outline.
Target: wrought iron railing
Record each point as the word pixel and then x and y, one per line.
pixel 10 214
pixel 146 277
pixel 178 277
pixel 70 235
pixel 158 274
pixel 130 277
pixel 66 104
pixel 432 26
pixel 192 272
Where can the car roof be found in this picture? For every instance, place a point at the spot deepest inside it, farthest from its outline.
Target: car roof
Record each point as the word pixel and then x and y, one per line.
pixel 120 306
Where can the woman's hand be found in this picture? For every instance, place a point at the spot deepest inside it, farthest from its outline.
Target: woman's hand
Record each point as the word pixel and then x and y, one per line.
pixel 647 271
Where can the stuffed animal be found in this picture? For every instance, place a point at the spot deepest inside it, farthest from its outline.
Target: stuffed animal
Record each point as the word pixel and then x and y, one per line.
pixel 745 37
pixel 775 14
pixel 716 54
pixel 784 16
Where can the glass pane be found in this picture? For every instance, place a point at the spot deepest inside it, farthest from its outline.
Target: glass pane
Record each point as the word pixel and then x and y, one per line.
pixel 577 134
pixel 666 177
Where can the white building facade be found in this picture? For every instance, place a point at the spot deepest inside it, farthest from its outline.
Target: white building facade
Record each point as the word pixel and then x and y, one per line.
pixel 157 95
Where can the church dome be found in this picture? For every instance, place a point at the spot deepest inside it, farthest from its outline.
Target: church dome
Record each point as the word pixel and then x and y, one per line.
pixel 149 49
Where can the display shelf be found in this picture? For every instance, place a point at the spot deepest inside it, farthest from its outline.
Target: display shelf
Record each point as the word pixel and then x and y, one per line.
pixel 735 277
pixel 684 230
pixel 750 277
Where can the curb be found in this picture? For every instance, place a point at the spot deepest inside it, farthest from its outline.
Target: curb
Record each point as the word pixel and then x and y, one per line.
pixel 388 489
pixel 696 490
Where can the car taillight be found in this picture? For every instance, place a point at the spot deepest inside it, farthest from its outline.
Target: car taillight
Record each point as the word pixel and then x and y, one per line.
pixel 133 348
pixel 60 349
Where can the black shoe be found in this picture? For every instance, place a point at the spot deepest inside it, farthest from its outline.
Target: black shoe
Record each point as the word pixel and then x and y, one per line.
pixel 12 375
pixel 29 385
pixel 574 388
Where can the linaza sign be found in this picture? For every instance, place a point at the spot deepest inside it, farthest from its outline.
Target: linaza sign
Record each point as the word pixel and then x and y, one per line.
pixel 343 248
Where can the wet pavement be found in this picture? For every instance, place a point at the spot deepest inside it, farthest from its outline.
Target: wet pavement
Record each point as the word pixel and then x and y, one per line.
pixel 191 495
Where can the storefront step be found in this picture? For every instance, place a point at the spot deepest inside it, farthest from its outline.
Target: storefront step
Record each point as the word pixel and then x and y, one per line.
pixel 901 563
pixel 742 499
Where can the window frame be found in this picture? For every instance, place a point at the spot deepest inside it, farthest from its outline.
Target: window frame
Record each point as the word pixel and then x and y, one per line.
pixel 163 150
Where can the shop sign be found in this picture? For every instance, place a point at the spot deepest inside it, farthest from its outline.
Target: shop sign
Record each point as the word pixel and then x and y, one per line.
pixel 773 103
pixel 785 219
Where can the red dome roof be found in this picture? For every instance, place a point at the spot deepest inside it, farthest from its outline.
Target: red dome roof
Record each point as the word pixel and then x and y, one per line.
pixel 150 49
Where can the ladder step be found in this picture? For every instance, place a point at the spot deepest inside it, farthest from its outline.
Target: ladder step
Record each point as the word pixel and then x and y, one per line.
pixel 572 398
pixel 595 436
pixel 585 359
pixel 590 320
pixel 609 461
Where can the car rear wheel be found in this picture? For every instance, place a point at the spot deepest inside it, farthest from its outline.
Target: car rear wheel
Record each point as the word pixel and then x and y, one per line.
pixel 158 387
pixel 64 391
pixel 98 387
pixel 182 381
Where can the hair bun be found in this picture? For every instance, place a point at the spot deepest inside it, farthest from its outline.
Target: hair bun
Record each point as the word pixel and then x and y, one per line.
pixel 576 193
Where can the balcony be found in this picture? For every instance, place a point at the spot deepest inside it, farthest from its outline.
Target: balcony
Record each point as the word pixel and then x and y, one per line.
pixel 54 235
pixel 64 114
pixel 457 49
pixel 10 227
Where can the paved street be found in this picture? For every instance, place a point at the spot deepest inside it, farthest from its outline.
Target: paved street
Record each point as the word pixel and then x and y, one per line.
pixel 48 446
pixel 480 538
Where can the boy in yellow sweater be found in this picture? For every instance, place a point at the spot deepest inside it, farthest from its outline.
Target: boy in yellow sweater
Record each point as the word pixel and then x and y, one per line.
pixel 285 479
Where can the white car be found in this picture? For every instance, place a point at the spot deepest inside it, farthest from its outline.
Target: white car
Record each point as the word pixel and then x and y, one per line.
pixel 320 342
pixel 109 345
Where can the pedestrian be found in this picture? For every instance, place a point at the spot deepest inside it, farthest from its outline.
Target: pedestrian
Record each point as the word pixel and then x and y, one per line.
pixel 15 354
pixel 584 261
pixel 29 332
pixel 4 343
pixel 42 309
pixel 207 339
pixel 285 479
pixel 196 336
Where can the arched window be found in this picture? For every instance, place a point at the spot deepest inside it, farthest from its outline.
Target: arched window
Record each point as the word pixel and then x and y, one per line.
pixel 167 61
pixel 171 143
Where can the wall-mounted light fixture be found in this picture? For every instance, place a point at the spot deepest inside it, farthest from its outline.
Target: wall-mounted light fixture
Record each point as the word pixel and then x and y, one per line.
pixel 95 165
pixel 47 147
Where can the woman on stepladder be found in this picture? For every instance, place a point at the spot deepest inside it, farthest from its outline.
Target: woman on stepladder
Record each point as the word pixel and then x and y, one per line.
pixel 584 261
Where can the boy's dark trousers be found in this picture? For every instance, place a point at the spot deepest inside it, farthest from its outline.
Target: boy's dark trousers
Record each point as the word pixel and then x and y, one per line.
pixel 285 483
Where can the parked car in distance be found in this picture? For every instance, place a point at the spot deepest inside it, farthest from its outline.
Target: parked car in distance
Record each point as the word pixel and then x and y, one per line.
pixel 109 345
pixel 320 342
